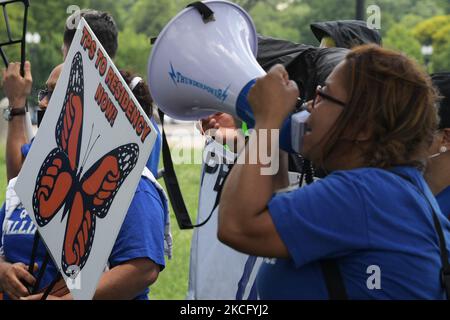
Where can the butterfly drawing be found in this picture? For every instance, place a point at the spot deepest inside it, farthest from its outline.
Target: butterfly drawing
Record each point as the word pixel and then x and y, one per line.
pixel 62 184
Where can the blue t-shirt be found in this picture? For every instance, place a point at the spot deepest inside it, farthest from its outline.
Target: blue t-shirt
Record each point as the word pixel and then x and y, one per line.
pixel 363 218
pixel 26 148
pixel 16 242
pixel 141 234
pixel 443 199
pixel 153 160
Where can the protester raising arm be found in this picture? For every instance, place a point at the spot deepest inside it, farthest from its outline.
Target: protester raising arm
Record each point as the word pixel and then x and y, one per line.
pixel 370 128
pixel 244 221
pixel 17 89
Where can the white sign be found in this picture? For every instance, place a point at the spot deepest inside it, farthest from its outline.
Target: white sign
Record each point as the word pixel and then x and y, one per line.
pixel 85 163
pixel 217 272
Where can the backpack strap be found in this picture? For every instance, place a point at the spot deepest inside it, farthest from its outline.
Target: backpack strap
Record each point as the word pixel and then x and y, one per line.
pixel 173 187
pixel 171 181
pixel 333 279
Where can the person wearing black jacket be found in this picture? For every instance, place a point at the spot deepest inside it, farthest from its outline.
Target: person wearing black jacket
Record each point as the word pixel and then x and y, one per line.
pixel 438 169
pixel 345 33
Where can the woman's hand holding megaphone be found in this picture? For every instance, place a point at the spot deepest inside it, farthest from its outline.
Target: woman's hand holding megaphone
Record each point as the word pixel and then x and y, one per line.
pixel 273 97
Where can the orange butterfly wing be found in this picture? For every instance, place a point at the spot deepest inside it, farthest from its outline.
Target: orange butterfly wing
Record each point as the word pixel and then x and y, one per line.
pixel 58 171
pixel 58 184
pixel 94 195
pixel 79 236
pixel 53 184
pixel 69 127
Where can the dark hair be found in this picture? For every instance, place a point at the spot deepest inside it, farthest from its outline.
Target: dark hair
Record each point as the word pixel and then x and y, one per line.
pixel 103 25
pixel 442 83
pixel 141 92
pixel 394 98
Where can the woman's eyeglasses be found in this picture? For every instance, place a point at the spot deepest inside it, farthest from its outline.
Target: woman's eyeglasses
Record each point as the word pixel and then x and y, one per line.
pixel 303 105
pixel 321 95
pixel 43 93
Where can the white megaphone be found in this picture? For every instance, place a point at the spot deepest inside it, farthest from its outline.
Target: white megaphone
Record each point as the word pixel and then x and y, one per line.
pixel 198 68
pixel 202 66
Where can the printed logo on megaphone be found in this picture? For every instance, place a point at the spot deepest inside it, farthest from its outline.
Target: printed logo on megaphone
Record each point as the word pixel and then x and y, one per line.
pixel 178 78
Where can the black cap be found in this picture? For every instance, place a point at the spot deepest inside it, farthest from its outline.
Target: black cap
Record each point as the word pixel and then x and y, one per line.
pixel 346 33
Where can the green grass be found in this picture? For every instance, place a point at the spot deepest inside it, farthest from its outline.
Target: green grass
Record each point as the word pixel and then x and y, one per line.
pixel 173 280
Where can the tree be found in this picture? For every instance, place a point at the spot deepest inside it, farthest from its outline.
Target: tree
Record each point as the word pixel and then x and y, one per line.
pixel 150 17
pixel 436 32
pixel 394 11
pixel 441 59
pixel 248 5
pixel 133 53
pixel 118 9
pixel 48 18
pixel 426 30
pixel 138 20
pixel 400 38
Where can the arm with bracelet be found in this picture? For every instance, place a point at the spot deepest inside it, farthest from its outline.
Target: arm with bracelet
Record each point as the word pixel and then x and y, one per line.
pixel 17 88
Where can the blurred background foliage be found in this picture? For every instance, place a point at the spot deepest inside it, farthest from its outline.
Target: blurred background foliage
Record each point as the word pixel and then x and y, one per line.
pixel 406 25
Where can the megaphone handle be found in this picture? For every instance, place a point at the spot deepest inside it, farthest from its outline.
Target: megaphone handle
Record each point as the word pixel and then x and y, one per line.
pixel 205 11
pixel 245 113
pixel 243 108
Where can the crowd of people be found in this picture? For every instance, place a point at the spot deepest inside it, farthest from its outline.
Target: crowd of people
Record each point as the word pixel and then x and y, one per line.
pixel 379 131
pixel 138 253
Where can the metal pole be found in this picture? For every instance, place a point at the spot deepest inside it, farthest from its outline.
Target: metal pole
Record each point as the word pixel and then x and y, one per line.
pixel 360 13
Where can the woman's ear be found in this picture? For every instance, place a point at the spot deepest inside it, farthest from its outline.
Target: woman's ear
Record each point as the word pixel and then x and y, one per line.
pixel 446 138
pixel 364 135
